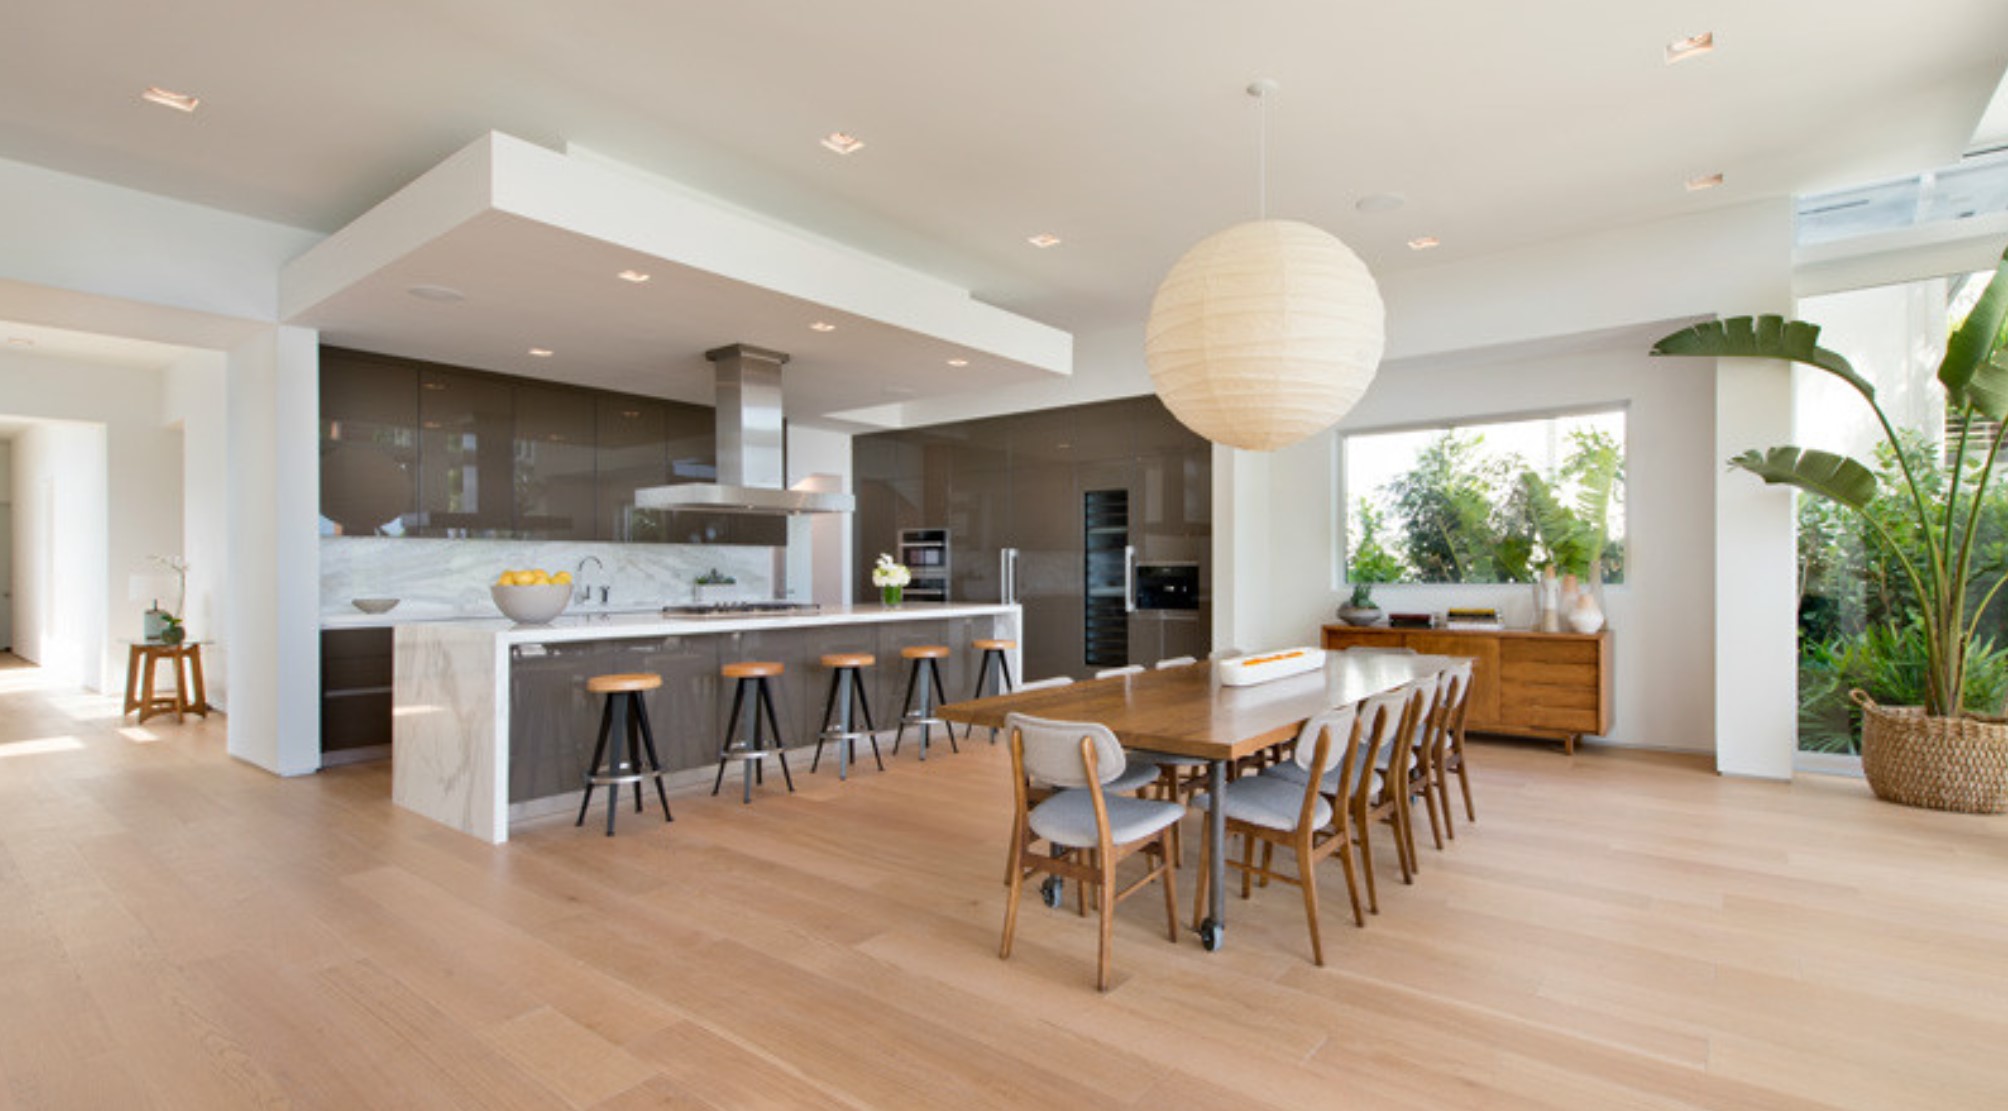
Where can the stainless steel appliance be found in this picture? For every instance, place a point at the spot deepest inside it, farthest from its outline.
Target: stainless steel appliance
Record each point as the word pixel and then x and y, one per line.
pixel 1167 586
pixel 925 553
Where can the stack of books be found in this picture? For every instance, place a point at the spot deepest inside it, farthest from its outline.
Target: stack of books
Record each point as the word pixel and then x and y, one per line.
pixel 1474 617
pixel 1410 620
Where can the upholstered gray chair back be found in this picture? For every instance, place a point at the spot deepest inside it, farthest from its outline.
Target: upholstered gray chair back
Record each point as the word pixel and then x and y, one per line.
pixel 1053 750
pixel 1340 722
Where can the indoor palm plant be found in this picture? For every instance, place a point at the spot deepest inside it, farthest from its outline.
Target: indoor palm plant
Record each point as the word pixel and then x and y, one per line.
pixel 1942 754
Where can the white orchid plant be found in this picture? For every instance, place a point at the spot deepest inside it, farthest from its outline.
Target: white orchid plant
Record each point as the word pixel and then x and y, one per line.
pixel 888 573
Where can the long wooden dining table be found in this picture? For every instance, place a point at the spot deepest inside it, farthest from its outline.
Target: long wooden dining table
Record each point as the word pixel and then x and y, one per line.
pixel 1188 711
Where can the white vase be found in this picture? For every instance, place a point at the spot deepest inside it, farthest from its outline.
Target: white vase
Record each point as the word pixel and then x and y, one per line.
pixel 1586 617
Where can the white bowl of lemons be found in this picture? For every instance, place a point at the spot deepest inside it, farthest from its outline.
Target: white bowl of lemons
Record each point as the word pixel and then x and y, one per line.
pixel 532 597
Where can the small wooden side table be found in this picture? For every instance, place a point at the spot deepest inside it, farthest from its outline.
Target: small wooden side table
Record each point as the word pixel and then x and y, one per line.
pixel 189 695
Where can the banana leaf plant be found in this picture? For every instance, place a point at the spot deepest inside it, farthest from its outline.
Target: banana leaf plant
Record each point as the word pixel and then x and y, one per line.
pixel 1974 373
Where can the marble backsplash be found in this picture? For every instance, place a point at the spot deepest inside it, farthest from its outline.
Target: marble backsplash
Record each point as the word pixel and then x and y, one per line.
pixel 450 578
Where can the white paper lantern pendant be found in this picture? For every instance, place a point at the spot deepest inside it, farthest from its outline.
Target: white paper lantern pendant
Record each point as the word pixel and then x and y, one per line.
pixel 1266 333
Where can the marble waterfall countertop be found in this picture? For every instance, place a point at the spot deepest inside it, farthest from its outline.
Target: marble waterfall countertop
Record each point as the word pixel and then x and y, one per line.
pixel 594 623
pixel 452 688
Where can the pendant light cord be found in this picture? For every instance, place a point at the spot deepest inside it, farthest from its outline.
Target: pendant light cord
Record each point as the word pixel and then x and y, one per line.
pixel 1262 157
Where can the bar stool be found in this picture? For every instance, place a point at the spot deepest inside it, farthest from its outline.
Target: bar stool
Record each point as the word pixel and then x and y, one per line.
pixel 847 690
pixel 993 653
pixel 926 674
pixel 752 753
pixel 624 714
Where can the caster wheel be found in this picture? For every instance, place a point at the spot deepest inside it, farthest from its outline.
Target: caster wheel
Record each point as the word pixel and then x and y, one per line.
pixel 1212 935
pixel 1051 892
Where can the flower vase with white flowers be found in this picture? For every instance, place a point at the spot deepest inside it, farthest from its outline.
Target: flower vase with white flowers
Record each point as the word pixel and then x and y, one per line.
pixel 891 579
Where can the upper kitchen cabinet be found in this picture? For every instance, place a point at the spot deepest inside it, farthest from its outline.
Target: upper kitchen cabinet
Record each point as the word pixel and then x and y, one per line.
pixel 555 456
pixel 369 443
pixel 633 454
pixel 466 448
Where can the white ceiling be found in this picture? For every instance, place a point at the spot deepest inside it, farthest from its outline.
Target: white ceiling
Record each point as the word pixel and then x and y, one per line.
pixel 1119 125
pixel 87 347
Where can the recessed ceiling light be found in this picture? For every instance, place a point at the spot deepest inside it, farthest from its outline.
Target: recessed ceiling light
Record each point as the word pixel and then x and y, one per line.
pixel 1693 46
pixel 168 98
pixel 631 414
pixel 1424 243
pixel 1705 181
pixel 822 326
pixel 1043 240
pixel 958 362
pixel 435 385
pixel 843 142
pixel 541 352
pixel 1380 202
pixel 20 341
pixel 634 276
pixel 436 293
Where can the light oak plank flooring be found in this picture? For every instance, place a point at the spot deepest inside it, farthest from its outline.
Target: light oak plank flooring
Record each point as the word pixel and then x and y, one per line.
pixel 1620 929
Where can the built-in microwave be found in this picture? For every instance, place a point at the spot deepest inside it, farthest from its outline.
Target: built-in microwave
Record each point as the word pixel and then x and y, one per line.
pixel 1167 586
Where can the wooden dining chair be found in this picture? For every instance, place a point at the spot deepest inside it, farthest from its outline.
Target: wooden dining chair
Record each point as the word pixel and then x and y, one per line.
pixel 1294 814
pixel 1141 773
pixel 1093 831
pixel 1452 760
pixel 1388 719
pixel 1453 690
pixel 1418 776
pixel 1403 779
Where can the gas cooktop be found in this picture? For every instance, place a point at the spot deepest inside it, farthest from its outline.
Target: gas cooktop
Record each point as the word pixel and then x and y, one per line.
pixel 743 609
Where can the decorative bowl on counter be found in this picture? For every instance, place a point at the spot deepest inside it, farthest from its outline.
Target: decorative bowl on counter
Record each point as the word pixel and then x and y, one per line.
pixel 374 605
pixel 531 605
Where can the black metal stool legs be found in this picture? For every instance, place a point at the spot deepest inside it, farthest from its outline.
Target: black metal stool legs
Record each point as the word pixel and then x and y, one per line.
pixel 846 700
pixel 623 723
pixel 1004 685
pixel 752 753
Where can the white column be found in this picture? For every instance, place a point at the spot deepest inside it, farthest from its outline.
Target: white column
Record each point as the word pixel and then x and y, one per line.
pixel 1241 536
pixel 273 410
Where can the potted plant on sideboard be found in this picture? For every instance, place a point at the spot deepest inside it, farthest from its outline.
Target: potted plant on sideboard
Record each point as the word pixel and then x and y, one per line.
pixel 1946 754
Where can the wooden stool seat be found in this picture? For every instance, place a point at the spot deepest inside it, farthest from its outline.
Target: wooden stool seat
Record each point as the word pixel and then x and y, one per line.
pixel 849 659
pixel 1002 645
pixel 622 684
pixel 925 652
pixel 751 669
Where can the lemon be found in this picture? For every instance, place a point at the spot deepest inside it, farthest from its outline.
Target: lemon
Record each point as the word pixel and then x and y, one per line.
pixel 562 577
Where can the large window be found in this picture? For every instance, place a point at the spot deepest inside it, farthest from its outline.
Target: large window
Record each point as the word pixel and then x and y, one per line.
pixel 1857 614
pixel 1487 502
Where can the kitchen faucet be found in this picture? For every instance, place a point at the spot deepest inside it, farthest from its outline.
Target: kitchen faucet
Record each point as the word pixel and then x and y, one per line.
pixel 585 591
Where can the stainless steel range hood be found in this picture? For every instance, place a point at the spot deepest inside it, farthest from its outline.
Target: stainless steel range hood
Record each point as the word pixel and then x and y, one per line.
pixel 751 478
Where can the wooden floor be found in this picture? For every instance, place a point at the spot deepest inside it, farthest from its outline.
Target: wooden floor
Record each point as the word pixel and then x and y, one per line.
pixel 1620 930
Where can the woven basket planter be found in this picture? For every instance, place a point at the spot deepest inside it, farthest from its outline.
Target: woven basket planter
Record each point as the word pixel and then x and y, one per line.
pixel 1956 763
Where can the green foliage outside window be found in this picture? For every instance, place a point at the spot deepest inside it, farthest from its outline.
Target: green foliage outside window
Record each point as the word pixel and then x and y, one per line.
pixel 1462 511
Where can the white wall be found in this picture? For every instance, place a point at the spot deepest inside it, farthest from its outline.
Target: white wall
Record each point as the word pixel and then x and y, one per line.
pixel 1659 616
pixel 192 402
pixel 130 489
pixel 59 549
pixel 272 405
pixel 819 546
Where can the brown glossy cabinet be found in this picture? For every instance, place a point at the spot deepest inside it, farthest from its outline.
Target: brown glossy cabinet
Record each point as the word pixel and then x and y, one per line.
pixel 369 447
pixel 554 464
pixel 466 455
pixel 1553 686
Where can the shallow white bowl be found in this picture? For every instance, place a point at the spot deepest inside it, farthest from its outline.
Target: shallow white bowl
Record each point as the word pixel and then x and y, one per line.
pixel 531 605
pixel 374 605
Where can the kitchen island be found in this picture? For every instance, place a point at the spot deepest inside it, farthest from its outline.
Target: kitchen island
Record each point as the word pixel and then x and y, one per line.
pixel 492 722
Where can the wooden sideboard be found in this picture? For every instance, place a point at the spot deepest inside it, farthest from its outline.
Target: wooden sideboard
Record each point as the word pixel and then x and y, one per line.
pixel 1554 686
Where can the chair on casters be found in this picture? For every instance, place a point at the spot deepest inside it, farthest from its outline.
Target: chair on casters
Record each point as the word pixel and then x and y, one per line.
pixel 847 694
pixel 1089 831
pixel 1296 815
pixel 752 752
pixel 993 653
pixel 624 715
pixel 925 674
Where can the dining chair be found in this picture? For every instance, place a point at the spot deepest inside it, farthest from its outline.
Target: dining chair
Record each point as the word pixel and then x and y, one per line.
pixel 1451 755
pixel 1295 815
pixel 1416 776
pixel 1389 718
pixel 1142 771
pixel 1177 661
pixel 1090 831
pixel 1112 672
